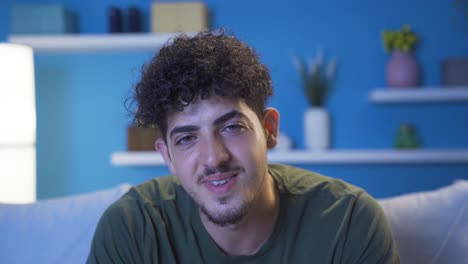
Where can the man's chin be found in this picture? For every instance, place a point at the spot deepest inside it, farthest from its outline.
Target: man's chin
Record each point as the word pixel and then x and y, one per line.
pixel 227 217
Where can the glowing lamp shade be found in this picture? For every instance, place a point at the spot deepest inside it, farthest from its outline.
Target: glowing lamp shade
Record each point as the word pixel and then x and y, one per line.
pixel 17 124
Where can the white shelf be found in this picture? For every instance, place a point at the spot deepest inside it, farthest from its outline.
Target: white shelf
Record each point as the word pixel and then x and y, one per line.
pixel 137 158
pixel 81 42
pixel 420 94
pixel 147 158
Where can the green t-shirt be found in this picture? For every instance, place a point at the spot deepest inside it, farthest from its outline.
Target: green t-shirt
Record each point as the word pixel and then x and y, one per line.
pixel 321 220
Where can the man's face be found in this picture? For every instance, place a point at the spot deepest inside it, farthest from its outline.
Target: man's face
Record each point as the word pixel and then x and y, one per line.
pixel 217 148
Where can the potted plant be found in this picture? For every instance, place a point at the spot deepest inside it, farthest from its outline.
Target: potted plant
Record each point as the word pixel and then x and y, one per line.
pixel 402 68
pixel 317 82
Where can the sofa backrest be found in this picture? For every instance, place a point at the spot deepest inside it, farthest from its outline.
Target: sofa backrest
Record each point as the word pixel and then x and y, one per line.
pixel 431 227
pixel 54 230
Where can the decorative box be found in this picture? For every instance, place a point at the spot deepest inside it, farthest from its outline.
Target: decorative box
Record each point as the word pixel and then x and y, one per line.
pixel 41 19
pixel 455 72
pixel 179 17
pixel 142 138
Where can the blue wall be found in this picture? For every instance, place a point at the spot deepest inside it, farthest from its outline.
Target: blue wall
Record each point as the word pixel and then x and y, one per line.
pixel 81 118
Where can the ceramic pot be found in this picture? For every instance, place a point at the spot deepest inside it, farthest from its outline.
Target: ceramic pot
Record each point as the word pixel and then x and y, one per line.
pixel 317 129
pixel 402 70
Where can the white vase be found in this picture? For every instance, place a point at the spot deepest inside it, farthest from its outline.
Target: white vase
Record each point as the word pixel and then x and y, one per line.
pixel 317 129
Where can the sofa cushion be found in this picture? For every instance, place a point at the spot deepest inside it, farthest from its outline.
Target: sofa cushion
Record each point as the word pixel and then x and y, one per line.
pixel 54 230
pixel 431 227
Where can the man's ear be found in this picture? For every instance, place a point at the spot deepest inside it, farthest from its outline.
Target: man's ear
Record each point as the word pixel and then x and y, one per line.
pixel 271 124
pixel 161 146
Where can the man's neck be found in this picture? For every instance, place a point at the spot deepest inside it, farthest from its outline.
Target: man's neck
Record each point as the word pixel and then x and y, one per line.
pixel 249 235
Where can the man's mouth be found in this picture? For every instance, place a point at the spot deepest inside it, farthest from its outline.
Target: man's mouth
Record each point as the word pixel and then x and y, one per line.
pixel 217 183
pixel 219 178
pixel 220 183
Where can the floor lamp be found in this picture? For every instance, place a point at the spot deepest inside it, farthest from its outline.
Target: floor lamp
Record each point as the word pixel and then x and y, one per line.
pixel 17 124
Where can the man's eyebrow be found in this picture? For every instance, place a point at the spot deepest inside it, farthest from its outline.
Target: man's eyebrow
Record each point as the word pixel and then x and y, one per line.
pixel 218 121
pixel 183 129
pixel 224 118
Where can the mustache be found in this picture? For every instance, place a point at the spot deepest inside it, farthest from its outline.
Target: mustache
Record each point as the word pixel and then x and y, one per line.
pixel 208 171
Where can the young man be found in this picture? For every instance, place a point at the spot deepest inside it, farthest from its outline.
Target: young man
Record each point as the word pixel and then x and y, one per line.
pixel 224 203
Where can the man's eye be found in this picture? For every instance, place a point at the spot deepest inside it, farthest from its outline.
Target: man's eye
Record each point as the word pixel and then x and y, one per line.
pixel 234 128
pixel 185 140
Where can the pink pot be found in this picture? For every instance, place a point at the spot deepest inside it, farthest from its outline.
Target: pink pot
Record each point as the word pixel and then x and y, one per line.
pixel 402 70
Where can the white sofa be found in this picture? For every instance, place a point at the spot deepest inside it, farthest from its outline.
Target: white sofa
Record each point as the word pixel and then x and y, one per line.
pixel 55 230
pixel 429 227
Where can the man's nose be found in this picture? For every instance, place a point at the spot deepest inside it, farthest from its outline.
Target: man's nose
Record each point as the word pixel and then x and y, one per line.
pixel 215 152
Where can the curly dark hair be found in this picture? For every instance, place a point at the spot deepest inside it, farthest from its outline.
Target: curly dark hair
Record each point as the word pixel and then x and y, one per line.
pixel 200 65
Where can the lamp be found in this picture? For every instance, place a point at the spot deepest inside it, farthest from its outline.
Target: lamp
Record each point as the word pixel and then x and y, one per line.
pixel 17 124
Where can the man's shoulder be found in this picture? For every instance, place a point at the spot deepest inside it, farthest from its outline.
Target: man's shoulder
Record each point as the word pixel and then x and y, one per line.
pixel 154 191
pixel 347 213
pixel 141 211
pixel 297 181
pixel 152 196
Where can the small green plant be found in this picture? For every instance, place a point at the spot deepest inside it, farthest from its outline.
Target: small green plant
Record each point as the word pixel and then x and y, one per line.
pixel 402 40
pixel 317 78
